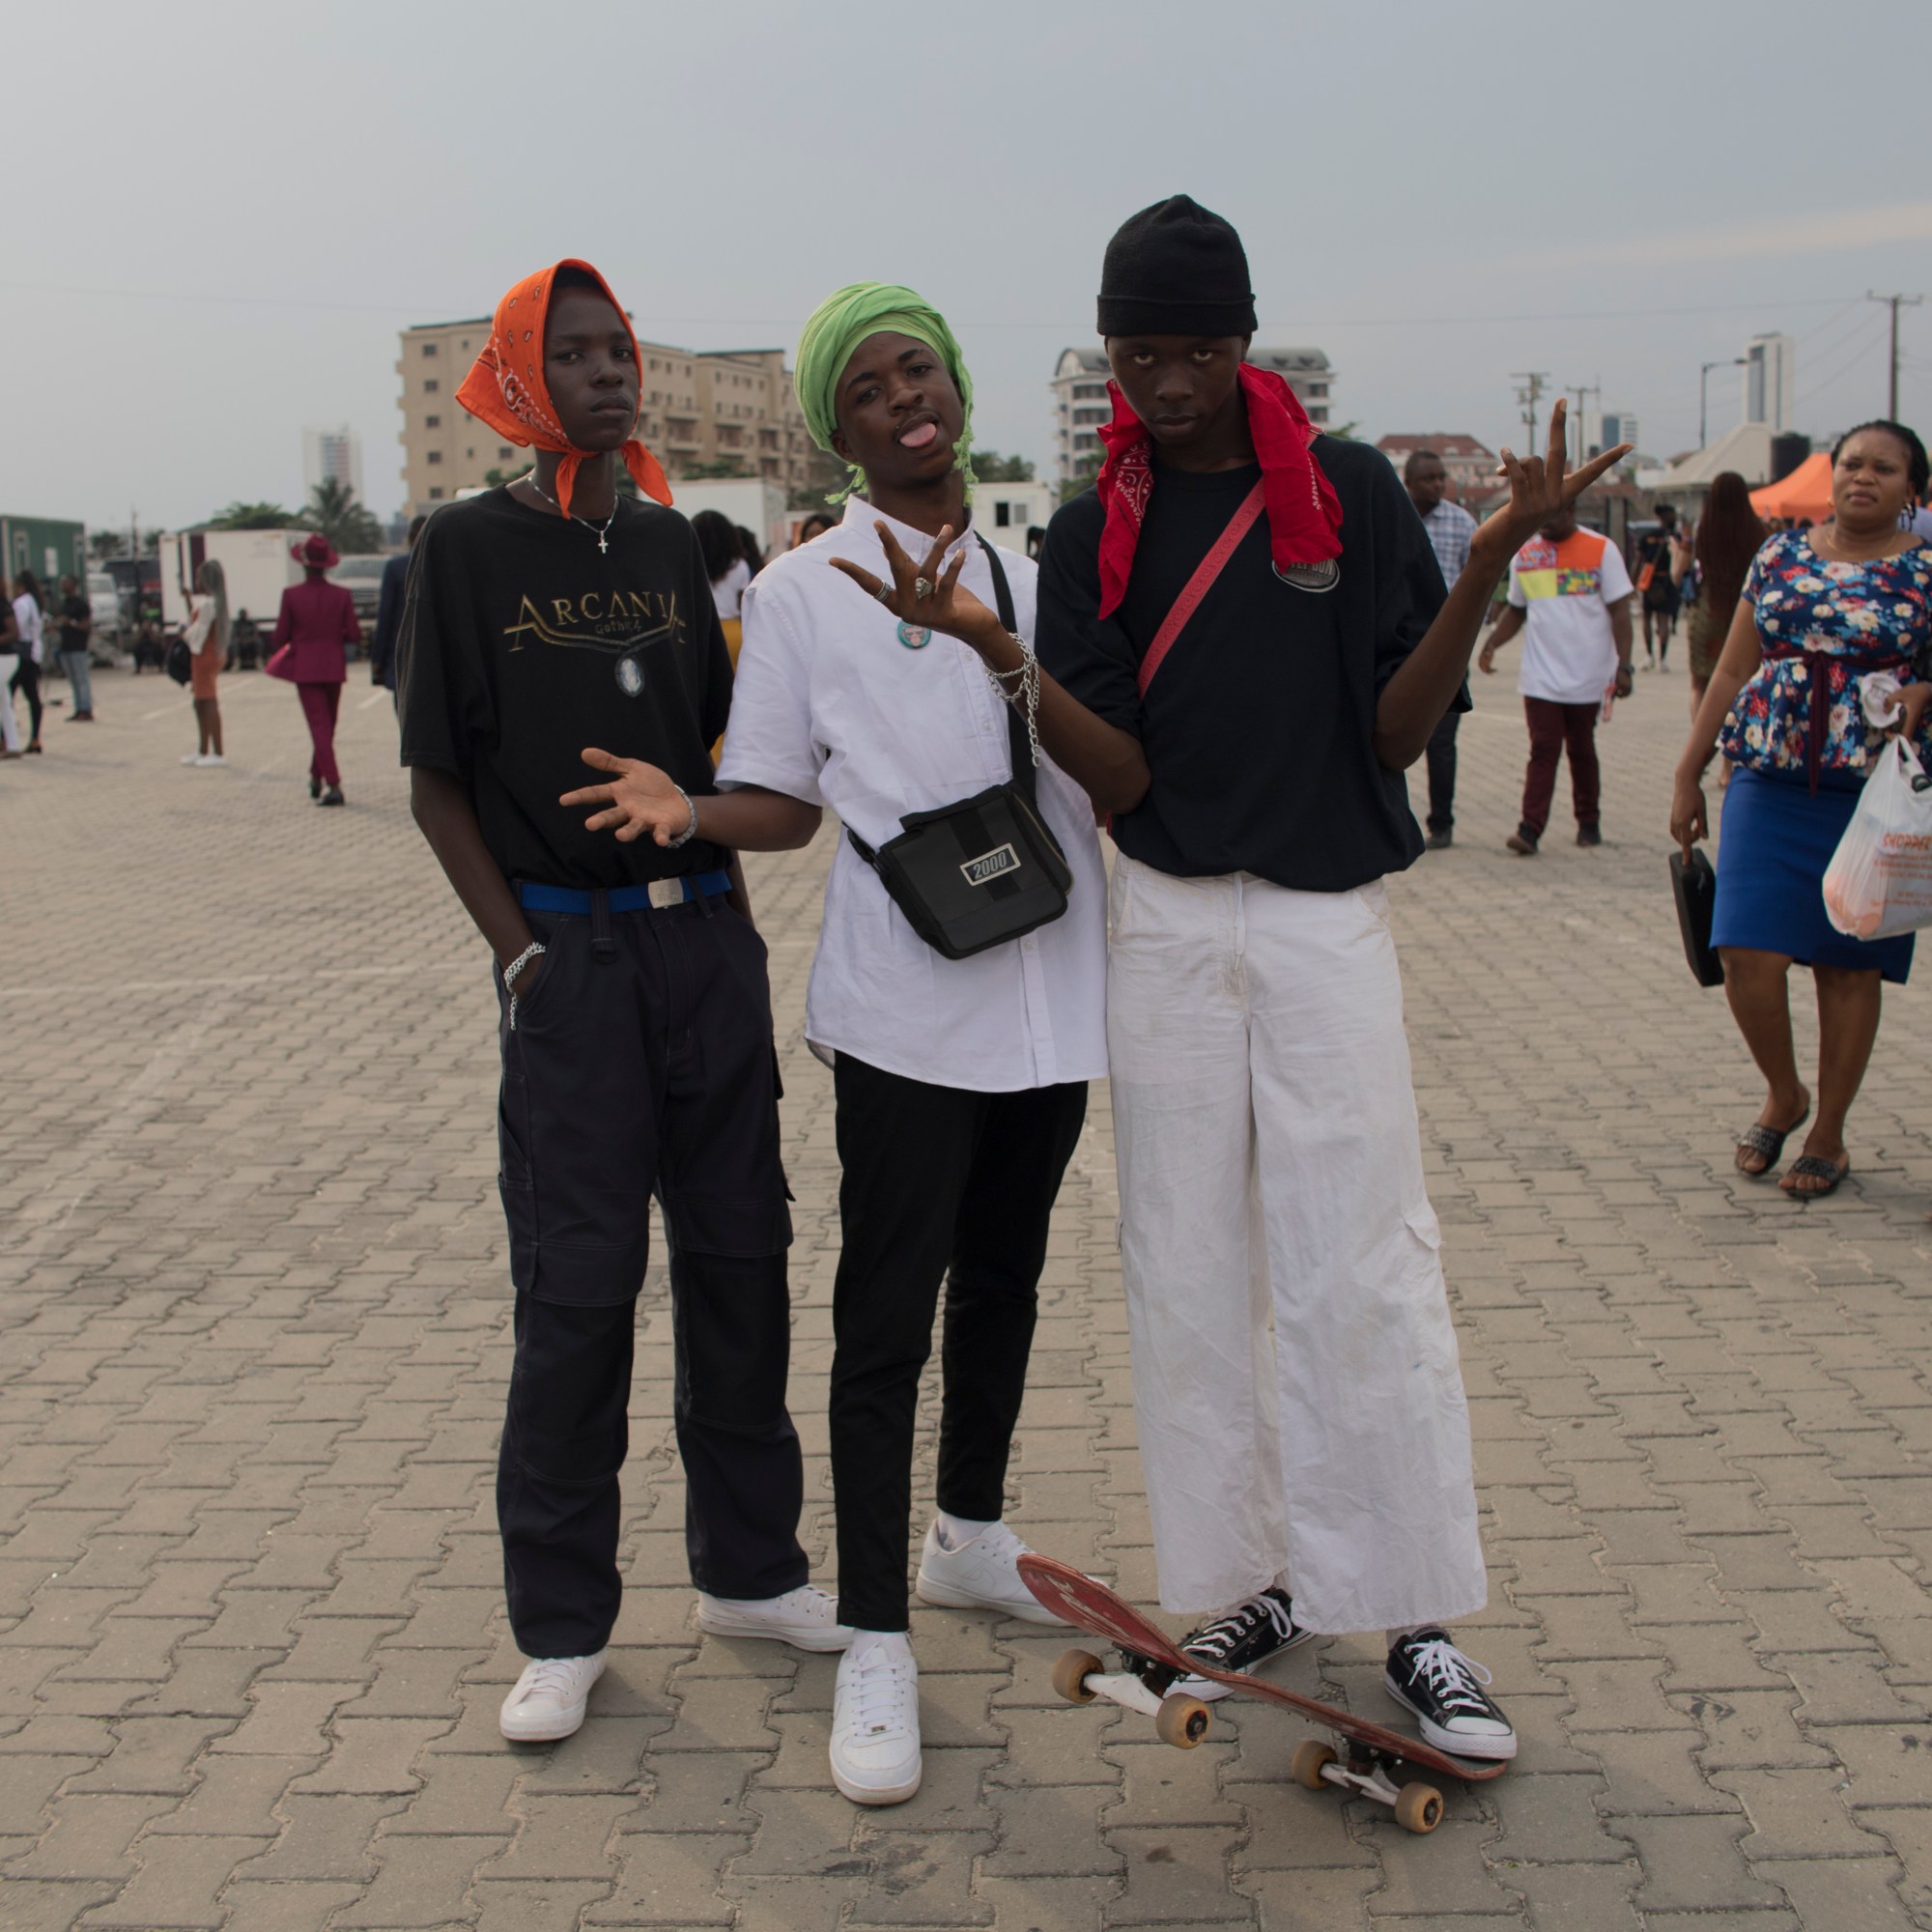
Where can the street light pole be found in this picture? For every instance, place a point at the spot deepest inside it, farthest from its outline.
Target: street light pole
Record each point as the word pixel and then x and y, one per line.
pixel 1703 390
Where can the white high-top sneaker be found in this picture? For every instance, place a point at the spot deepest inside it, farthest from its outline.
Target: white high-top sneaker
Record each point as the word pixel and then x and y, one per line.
pixel 549 1699
pixel 875 1720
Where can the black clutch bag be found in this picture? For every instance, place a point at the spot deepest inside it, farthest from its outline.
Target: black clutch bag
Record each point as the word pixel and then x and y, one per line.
pixel 973 875
pixel 1694 886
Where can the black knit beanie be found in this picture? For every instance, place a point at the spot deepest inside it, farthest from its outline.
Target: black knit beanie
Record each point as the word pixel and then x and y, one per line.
pixel 1175 268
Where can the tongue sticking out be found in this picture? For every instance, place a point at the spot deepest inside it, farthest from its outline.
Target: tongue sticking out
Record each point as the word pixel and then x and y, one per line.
pixel 920 437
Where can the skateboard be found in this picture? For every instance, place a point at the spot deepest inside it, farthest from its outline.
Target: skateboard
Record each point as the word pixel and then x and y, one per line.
pixel 1154 1662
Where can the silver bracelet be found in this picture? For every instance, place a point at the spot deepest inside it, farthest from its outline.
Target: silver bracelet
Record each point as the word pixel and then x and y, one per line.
pixel 690 832
pixel 1024 677
pixel 535 950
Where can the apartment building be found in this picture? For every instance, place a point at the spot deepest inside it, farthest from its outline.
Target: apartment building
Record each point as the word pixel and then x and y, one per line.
pixel 1080 404
pixel 698 413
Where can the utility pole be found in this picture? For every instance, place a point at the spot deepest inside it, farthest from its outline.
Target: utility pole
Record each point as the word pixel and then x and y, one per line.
pixel 1580 391
pixel 1533 382
pixel 1893 302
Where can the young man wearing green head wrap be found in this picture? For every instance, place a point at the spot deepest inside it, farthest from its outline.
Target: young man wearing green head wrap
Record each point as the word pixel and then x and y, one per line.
pixel 961 1083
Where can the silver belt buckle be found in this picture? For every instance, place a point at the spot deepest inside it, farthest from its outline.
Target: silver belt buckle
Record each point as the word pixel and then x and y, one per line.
pixel 665 893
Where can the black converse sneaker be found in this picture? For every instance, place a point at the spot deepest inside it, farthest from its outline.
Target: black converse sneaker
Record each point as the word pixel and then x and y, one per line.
pixel 1428 1675
pixel 1250 1633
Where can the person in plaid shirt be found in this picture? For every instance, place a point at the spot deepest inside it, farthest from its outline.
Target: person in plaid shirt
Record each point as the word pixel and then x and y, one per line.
pixel 1450 527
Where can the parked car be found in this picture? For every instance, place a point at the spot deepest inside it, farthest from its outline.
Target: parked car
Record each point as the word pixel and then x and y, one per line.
pixel 104 599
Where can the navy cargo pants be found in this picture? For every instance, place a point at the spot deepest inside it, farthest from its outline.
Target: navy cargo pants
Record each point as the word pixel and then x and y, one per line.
pixel 642 1063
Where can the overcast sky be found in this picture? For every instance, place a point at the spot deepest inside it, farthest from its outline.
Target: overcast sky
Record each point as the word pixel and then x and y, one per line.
pixel 221 214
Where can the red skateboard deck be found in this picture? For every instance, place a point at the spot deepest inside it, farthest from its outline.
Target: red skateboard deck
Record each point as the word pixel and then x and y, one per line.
pixel 1094 1608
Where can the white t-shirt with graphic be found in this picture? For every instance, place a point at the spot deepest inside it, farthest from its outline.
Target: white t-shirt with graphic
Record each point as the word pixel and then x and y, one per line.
pixel 1565 590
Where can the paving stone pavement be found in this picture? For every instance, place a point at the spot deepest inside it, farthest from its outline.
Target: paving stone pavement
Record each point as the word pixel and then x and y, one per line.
pixel 252 1634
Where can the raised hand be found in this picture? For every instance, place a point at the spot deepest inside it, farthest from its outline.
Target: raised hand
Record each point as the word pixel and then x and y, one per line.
pixel 946 605
pixel 1540 488
pixel 639 799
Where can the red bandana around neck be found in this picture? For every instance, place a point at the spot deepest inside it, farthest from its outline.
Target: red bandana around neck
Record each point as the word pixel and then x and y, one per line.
pixel 505 385
pixel 1304 514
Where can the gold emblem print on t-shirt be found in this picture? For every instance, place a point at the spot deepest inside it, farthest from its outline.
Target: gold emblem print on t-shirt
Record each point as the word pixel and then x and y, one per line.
pixel 618 622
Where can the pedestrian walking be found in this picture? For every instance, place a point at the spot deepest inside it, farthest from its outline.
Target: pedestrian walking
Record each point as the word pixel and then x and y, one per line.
pixel 1253 619
pixel 635 1022
pixel 960 1082
pixel 1657 586
pixel 315 622
pixel 724 561
pixel 206 637
pixel 1824 614
pixel 77 628
pixel 1570 594
pixel 26 676
pixel 1450 529
pixel 10 663
pixel 1728 535
pixel 389 611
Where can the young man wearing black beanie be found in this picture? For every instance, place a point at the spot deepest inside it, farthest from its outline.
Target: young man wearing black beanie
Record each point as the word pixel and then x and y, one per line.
pixel 1255 623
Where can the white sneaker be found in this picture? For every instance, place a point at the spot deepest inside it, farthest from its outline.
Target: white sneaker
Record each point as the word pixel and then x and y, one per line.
pixel 550 1697
pixel 805 1618
pixel 207 758
pixel 876 1722
pixel 982 1574
pixel 192 758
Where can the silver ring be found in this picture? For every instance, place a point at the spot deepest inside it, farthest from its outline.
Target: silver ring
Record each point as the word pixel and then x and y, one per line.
pixel 921 588
pixel 880 592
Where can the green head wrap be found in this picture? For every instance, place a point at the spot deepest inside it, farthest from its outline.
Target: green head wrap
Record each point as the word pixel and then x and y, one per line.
pixel 838 327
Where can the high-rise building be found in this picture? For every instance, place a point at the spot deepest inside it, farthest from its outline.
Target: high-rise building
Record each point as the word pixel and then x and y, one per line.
pixel 1080 405
pixel 1616 426
pixel 332 455
pixel 1770 371
pixel 732 411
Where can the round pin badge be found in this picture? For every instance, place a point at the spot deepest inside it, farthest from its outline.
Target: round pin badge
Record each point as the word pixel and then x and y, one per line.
pixel 914 637
pixel 1311 576
pixel 630 677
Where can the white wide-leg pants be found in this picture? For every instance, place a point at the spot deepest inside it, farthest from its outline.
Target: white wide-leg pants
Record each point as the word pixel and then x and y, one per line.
pixel 10 721
pixel 1297 1384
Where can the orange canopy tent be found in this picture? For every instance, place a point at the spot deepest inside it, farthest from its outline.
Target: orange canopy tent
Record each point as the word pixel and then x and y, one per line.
pixel 1805 493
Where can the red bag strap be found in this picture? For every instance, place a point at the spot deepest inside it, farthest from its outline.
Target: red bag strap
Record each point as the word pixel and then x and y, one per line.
pixel 1200 583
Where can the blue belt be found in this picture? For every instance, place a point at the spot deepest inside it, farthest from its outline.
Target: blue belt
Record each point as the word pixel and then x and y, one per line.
pixel 658 893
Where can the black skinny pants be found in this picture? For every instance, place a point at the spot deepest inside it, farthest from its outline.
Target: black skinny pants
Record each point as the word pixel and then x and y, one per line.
pixel 1441 758
pixel 642 1063
pixel 939 1183
pixel 27 678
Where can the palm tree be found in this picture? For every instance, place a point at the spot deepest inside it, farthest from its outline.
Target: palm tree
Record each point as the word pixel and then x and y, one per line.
pixel 103 544
pixel 253 516
pixel 335 513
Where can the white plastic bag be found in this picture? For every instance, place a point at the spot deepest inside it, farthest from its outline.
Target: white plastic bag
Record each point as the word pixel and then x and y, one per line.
pixel 1879 882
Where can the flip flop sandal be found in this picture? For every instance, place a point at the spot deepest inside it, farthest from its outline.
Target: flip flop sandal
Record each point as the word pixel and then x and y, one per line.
pixel 1816 1167
pixel 1766 1141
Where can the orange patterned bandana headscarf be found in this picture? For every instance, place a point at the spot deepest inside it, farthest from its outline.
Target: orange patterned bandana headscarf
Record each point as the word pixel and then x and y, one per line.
pixel 505 385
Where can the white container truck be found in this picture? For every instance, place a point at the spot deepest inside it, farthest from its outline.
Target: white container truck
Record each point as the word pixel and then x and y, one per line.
pixel 748 500
pixel 256 564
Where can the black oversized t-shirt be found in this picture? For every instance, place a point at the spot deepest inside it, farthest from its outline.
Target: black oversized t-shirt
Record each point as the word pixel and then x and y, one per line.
pixel 1258 726
pixel 522 644
pixel 75 613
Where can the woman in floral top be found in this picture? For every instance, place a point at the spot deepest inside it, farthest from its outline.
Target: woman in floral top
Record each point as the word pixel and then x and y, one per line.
pixel 1835 629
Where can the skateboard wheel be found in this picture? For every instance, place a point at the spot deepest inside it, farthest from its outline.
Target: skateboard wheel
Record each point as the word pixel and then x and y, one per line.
pixel 1183 1721
pixel 1418 1807
pixel 1071 1671
pixel 1305 1766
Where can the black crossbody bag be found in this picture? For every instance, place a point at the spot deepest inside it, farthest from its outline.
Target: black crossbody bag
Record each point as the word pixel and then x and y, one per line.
pixel 973 875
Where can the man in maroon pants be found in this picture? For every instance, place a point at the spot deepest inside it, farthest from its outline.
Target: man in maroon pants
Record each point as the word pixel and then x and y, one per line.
pixel 1569 592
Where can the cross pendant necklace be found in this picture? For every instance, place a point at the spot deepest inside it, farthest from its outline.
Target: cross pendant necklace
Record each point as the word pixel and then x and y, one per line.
pixel 601 533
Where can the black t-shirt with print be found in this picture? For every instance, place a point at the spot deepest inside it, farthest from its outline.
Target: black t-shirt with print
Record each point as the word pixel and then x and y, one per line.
pixel 522 644
pixel 1258 726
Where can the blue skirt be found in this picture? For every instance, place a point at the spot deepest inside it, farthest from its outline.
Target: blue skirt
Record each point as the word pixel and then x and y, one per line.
pixel 1778 837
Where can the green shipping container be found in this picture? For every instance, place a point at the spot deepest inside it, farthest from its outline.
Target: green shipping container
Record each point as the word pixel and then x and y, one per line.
pixel 50 548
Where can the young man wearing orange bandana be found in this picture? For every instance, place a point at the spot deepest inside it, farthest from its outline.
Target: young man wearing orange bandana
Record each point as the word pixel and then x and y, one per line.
pixel 1254 612
pixel 635 1017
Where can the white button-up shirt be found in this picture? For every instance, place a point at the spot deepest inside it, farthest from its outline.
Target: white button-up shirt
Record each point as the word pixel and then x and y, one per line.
pixel 832 708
